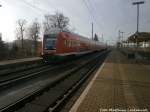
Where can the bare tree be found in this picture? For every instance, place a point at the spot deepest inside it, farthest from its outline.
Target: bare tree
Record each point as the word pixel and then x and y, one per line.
pixel 96 37
pixel 56 22
pixel 3 49
pixel 34 31
pixel 21 28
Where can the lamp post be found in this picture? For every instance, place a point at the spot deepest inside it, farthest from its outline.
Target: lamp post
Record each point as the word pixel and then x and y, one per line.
pixel 138 4
pixel 137 31
pixel 120 35
pixel 122 38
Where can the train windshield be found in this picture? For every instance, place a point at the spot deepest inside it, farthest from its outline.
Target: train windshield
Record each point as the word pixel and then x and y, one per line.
pixel 50 42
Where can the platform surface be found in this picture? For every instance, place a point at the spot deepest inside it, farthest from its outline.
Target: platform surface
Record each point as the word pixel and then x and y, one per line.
pixel 19 60
pixel 120 85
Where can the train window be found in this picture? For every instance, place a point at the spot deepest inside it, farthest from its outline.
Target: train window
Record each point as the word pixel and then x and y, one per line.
pixel 65 42
pixel 50 43
pixel 69 43
pixel 73 44
pixel 78 44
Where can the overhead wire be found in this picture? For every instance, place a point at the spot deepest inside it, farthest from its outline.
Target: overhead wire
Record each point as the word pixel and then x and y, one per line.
pixel 86 2
pixel 97 16
pixel 34 7
pixel 90 12
pixel 94 10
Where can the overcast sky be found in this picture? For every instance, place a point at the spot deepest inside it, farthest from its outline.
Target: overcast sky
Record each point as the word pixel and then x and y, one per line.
pixel 108 16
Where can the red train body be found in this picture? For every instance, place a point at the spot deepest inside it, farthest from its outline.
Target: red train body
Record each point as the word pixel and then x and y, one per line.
pixel 65 44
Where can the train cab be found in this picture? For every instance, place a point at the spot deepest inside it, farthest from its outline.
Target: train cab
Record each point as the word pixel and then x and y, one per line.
pixel 49 45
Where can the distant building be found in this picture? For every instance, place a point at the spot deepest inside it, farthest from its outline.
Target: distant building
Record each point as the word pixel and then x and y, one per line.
pixel 142 38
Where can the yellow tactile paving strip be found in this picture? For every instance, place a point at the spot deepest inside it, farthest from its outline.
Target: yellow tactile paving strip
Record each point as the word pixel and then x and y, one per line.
pixel 121 85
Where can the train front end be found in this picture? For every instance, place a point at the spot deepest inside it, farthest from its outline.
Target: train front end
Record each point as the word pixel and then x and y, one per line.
pixel 49 47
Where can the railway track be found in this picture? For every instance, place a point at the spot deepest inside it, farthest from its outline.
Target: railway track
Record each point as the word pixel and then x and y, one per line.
pixel 13 79
pixel 12 70
pixel 53 95
pixel 24 73
pixel 27 72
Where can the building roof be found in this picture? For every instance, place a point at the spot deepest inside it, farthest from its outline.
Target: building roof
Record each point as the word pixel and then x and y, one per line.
pixel 140 37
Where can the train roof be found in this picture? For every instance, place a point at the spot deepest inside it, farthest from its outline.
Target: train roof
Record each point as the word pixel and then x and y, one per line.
pixel 82 38
pixel 87 39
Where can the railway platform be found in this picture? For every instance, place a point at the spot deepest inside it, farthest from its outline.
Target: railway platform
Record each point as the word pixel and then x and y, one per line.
pixel 120 85
pixel 9 62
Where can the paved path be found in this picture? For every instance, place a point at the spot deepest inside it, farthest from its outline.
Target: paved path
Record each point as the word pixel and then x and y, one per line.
pixel 120 84
pixel 19 60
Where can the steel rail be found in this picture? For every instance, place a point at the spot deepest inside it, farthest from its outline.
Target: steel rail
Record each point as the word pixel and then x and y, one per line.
pixel 38 92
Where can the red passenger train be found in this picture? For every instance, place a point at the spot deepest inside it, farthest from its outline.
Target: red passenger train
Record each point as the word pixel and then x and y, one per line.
pixel 65 44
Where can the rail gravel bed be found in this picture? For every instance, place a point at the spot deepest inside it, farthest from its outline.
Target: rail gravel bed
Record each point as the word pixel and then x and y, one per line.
pixel 52 95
